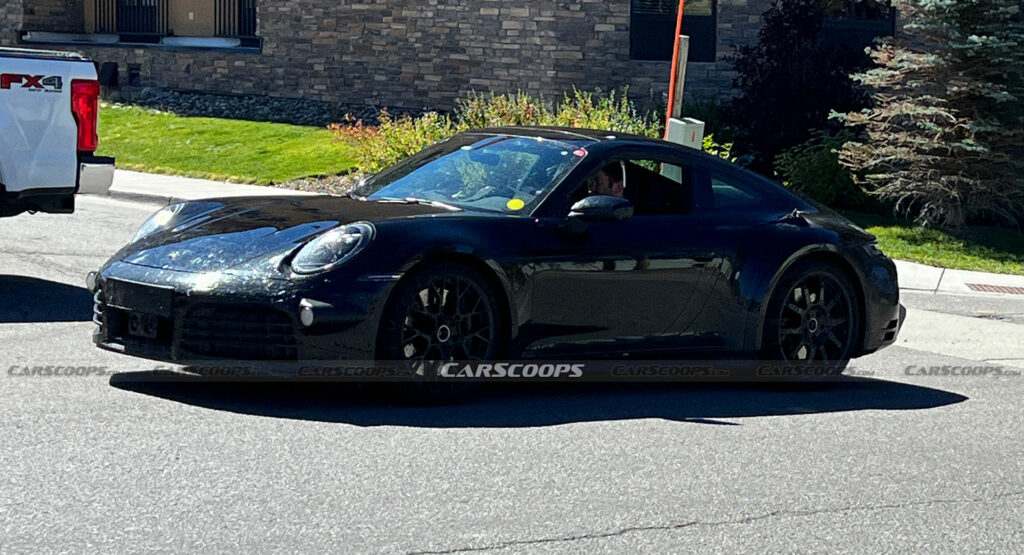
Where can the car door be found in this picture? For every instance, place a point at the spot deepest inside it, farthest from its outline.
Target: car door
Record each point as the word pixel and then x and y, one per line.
pixel 621 286
pixel 737 211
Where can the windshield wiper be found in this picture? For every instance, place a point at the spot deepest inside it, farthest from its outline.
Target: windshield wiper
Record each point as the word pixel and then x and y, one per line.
pixel 413 200
pixel 434 203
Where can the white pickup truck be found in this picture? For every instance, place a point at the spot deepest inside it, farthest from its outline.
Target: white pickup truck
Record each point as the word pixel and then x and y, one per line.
pixel 49 104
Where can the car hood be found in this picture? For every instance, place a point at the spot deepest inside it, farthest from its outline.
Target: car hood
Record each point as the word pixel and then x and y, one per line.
pixel 232 234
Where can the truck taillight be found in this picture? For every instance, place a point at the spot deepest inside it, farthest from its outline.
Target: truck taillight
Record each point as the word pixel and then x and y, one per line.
pixel 85 103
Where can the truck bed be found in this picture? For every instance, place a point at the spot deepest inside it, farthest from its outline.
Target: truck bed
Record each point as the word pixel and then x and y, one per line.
pixel 6 52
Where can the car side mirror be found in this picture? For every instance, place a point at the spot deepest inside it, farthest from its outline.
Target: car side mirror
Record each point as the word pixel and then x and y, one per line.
pixel 605 208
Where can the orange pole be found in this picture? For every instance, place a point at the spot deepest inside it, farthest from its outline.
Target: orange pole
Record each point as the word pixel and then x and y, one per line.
pixel 675 65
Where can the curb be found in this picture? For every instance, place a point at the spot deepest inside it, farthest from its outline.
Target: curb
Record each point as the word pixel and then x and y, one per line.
pixel 167 189
pixel 147 198
pixel 165 199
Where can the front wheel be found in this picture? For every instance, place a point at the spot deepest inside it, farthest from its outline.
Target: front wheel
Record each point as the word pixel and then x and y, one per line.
pixel 441 313
pixel 812 319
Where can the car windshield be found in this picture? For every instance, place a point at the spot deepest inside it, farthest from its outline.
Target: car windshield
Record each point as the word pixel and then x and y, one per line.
pixel 481 172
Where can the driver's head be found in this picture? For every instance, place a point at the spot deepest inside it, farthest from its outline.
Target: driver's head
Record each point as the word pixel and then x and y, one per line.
pixel 607 181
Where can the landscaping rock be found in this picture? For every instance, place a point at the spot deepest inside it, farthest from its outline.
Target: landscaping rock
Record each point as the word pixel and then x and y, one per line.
pixel 327 184
pixel 295 111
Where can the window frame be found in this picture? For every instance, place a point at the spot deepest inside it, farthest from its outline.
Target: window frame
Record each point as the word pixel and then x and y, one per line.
pixel 702 29
pixel 152 21
pixel 621 158
pixel 772 199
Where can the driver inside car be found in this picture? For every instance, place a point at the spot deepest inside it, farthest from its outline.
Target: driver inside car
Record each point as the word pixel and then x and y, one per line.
pixel 607 181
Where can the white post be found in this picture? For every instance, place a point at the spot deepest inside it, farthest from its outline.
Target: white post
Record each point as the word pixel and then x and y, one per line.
pixel 676 110
pixel 685 131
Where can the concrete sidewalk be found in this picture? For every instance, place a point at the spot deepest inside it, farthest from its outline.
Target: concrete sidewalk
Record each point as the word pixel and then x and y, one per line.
pixel 928 279
pixel 165 189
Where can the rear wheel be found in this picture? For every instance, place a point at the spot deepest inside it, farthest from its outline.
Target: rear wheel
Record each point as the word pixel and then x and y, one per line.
pixel 443 312
pixel 812 320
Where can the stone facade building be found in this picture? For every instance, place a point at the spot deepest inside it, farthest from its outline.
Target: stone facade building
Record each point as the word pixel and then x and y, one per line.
pixel 398 53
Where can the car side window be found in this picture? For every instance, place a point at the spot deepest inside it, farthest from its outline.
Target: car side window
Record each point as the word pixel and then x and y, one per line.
pixel 732 194
pixel 658 188
pixel 586 187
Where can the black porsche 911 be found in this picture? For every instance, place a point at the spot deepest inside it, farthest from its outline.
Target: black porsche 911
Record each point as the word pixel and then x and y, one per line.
pixel 495 244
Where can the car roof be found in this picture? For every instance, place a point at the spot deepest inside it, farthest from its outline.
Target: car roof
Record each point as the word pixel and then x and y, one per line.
pixel 562 133
pixel 604 140
pixel 597 137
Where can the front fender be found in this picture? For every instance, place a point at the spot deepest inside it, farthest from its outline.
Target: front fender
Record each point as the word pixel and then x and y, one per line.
pixel 765 268
pixel 499 273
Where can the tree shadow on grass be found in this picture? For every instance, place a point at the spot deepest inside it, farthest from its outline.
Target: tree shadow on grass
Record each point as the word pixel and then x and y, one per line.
pixel 508 405
pixel 1003 245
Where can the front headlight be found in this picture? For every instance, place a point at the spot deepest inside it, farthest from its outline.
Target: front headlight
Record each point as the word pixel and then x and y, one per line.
pixel 332 248
pixel 158 221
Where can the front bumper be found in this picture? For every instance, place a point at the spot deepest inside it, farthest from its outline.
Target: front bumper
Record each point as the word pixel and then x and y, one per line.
pixel 883 313
pixel 95 175
pixel 178 317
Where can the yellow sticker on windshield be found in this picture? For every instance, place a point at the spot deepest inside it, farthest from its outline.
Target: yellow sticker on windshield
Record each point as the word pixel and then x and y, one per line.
pixel 515 204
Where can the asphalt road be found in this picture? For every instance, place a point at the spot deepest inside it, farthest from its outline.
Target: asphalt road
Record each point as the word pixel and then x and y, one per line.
pixel 889 460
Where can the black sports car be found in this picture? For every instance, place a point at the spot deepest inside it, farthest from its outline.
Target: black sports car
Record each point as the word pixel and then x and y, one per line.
pixel 493 245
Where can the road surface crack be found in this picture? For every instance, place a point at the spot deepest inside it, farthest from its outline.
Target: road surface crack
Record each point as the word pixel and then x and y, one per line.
pixel 696 523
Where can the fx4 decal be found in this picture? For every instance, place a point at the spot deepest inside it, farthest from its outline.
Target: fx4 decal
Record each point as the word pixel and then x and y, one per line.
pixel 52 83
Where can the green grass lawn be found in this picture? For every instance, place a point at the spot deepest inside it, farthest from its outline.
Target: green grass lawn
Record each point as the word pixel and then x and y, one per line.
pixel 985 249
pixel 222 149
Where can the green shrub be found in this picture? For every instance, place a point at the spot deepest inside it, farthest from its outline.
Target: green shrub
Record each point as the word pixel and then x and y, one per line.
pixel 812 168
pixel 395 139
pixel 478 110
pixel 379 147
pixel 590 110
pixel 720 150
pixel 595 110
pixel 789 81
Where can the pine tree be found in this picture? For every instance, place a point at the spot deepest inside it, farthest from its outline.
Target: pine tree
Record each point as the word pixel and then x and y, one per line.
pixel 944 140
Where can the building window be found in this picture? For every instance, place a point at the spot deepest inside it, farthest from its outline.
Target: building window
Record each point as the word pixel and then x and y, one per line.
pixel 235 18
pixel 154 20
pixel 855 24
pixel 653 26
pixel 857 9
pixel 132 17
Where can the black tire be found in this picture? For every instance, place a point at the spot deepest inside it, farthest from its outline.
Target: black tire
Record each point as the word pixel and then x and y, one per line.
pixel 441 312
pixel 812 321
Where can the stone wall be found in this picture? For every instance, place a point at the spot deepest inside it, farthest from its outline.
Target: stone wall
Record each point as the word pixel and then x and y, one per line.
pixel 11 14
pixel 425 53
pixel 66 16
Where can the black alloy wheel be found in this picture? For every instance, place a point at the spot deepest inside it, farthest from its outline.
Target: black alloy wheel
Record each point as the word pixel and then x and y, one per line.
pixel 442 313
pixel 448 318
pixel 813 318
